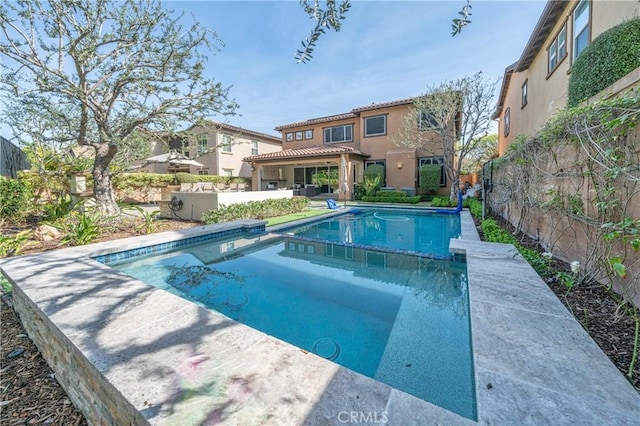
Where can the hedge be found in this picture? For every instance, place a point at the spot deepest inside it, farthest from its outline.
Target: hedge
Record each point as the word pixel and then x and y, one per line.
pixel 256 210
pixel 397 199
pixel 611 56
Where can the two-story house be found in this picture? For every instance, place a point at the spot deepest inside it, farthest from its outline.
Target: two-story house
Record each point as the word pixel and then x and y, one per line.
pixel 328 155
pixel 536 86
pixel 219 147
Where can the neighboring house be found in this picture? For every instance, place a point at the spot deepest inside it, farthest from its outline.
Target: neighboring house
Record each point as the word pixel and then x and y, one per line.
pixel 12 159
pixel 328 155
pixel 536 86
pixel 219 147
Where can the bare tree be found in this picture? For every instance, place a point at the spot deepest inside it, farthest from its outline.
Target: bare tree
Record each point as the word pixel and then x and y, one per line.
pixel 101 72
pixel 456 114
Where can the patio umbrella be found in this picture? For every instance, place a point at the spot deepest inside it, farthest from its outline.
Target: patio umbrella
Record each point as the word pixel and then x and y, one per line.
pixel 345 182
pixel 173 158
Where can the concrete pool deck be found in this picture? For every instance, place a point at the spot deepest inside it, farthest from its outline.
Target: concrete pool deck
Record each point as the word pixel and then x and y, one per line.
pixel 127 352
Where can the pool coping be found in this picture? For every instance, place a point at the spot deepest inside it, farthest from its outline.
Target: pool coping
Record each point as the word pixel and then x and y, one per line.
pixel 164 360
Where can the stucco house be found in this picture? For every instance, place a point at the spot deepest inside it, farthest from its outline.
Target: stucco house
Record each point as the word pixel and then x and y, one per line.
pixel 536 85
pixel 220 147
pixel 328 155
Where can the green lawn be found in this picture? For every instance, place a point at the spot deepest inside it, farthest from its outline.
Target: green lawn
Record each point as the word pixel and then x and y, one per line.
pixel 296 216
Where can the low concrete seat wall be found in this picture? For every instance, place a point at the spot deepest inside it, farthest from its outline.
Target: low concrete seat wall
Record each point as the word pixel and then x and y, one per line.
pixel 195 204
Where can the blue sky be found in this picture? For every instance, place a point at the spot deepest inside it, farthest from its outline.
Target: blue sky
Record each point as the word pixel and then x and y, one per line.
pixel 386 50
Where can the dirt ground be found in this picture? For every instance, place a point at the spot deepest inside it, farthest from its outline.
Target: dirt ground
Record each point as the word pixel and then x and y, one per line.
pixel 30 394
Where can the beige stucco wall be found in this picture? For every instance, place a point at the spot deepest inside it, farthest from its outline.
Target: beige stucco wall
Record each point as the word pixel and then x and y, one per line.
pixel 401 162
pixel 547 93
pixel 216 160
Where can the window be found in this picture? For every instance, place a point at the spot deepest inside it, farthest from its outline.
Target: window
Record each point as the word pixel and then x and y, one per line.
pixel 203 144
pixel 338 134
pixel 298 136
pixel 580 28
pixel 427 121
pixel 254 147
pixel 435 160
pixel 524 93
pixel 226 143
pixel 375 126
pixel 308 134
pixel 507 121
pixel 203 172
pixel 289 136
pixel 185 148
pixel 557 50
pixel 227 172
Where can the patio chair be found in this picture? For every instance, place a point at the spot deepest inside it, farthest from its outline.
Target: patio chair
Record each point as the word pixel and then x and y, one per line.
pixel 332 205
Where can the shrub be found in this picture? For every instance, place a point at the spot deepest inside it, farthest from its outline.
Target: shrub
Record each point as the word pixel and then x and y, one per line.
pixel 475 207
pixel 12 245
pixel 371 185
pixel 611 56
pixel 15 199
pixel 80 228
pixel 374 170
pixel 430 178
pixel 393 199
pixel 256 210
pixel 443 201
pixel 391 194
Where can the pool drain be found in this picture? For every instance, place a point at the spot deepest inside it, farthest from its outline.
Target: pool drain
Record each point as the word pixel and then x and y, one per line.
pixel 327 348
pixel 234 305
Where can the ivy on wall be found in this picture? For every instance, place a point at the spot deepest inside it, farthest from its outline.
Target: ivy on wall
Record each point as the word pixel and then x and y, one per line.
pixel 611 56
pixel 579 177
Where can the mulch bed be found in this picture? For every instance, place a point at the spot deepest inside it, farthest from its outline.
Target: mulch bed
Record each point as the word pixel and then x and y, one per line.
pixel 30 394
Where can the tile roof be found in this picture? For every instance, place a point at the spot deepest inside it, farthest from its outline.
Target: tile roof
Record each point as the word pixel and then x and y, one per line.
pixel 548 19
pixel 384 105
pixel 503 90
pixel 353 114
pixel 225 126
pixel 318 120
pixel 315 151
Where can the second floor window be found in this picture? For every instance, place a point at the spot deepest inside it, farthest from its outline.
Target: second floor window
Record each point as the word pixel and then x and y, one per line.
pixel 580 28
pixel 525 90
pixel 375 126
pixel 203 145
pixel 226 143
pixel 338 134
pixel 427 121
pixel 557 50
pixel 254 147
pixel 507 122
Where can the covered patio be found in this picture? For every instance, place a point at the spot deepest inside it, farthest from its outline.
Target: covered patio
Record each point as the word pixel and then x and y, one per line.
pixel 314 171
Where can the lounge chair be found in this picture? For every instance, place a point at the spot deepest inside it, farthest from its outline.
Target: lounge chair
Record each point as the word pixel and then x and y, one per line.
pixel 331 204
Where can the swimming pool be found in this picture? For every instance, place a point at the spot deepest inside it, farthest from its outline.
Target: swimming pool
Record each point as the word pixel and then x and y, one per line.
pixel 404 229
pixel 399 318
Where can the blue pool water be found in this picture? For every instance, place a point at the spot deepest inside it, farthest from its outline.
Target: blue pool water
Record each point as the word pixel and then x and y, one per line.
pixel 401 319
pixel 406 229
